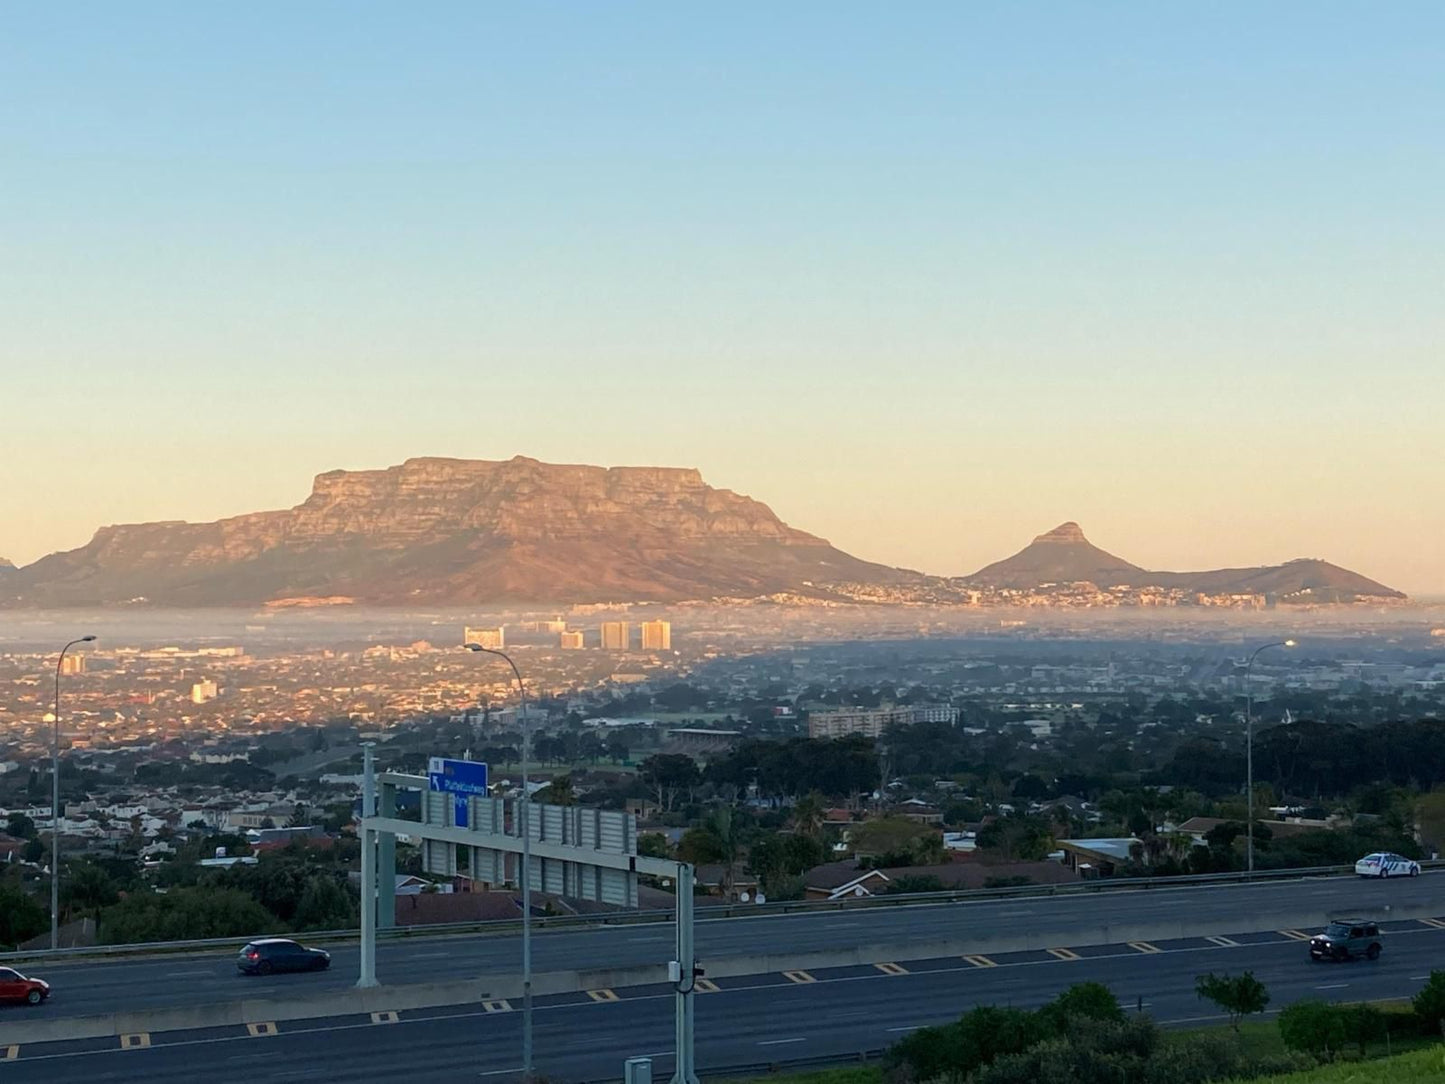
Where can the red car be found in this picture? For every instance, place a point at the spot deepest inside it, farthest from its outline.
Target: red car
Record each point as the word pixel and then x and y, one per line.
pixel 16 987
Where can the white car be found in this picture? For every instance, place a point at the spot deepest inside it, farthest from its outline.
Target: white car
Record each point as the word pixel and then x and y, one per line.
pixel 1384 864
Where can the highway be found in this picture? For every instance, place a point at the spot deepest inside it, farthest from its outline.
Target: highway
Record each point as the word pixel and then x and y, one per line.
pixel 102 986
pixel 748 1021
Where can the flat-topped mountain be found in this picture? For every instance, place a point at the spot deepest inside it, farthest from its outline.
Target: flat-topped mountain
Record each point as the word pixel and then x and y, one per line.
pixel 1064 556
pixel 455 531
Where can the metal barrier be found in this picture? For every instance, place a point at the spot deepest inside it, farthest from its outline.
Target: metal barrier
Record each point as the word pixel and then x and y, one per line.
pixel 714 912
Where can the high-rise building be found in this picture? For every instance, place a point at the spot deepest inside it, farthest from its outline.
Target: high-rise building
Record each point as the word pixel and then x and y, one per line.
pixel 570 641
pixel 656 636
pixel 72 664
pixel 616 635
pixel 493 638
pixel 557 624
pixel 203 691
pixel 874 722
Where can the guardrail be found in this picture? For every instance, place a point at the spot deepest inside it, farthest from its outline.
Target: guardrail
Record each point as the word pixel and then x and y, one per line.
pixel 717 911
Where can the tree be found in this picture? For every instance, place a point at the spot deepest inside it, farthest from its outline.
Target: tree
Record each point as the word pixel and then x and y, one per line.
pixel 653 845
pixel 668 775
pixel 1429 1003
pixel 326 905
pixel 184 914
pixel 21 918
pixel 808 813
pixel 1429 819
pixel 560 792
pixel 1314 1027
pixel 1016 837
pixel 20 826
pixel 1238 995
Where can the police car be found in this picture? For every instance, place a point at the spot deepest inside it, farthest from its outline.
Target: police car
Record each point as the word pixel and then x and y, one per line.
pixel 1384 864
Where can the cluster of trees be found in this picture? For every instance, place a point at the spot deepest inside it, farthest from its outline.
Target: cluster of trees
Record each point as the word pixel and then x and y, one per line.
pixel 1327 1030
pixel 1082 1036
pixel 839 769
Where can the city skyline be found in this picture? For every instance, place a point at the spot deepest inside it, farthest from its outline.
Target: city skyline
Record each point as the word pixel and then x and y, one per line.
pixel 927 283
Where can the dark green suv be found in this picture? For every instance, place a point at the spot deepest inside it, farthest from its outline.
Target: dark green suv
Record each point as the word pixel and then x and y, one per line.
pixel 1347 939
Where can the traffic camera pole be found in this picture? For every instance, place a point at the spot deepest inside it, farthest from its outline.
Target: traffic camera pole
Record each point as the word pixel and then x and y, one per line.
pixel 368 869
pixel 686 982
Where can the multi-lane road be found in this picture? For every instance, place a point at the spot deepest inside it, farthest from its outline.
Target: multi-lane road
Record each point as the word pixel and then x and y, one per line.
pixel 86 987
pixel 747 1021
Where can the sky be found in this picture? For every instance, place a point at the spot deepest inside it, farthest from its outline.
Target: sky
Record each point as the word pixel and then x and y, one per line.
pixel 926 278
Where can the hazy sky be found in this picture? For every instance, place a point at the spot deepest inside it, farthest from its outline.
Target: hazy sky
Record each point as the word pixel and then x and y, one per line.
pixel 926 278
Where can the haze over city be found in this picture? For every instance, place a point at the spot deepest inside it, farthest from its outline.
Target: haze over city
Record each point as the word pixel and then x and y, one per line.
pixel 927 282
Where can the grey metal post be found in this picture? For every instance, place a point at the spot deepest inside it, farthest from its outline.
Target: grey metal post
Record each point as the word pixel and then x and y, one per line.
pixel 55 802
pixel 368 869
pixel 386 859
pixel 686 1070
pixel 1249 751
pixel 525 825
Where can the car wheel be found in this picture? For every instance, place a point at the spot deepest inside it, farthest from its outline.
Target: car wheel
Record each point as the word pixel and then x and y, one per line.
pixel 264 967
pixel 1414 871
pixel 1384 873
pixel 33 997
pixel 1373 952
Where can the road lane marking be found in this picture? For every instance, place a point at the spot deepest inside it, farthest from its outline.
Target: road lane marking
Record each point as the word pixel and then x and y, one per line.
pixel 780 1042
pixel 909 1027
pixel 189 974
pixel 798 976
pixel 139 1041
pixel 891 969
pixel 1332 986
pixel 980 961
pixel 386 1017
pixel 1223 942
pixel 706 986
pixel 1144 947
pixel 603 995
pixel 262 1030
pixel 1065 954
pixel 10 1053
pixel 1294 935
pixel 1434 922
pixel 500 1005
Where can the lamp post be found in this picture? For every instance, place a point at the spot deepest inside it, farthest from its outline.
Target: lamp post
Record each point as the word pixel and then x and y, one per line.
pixel 55 802
pixel 524 822
pixel 1249 750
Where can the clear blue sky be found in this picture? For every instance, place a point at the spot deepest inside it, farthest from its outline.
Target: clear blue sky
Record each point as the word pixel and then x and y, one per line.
pixel 927 278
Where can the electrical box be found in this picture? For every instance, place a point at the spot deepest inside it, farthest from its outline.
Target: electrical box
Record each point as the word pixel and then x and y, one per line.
pixel 637 1071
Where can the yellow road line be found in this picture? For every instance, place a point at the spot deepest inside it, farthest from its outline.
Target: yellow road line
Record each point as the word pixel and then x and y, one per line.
pixel 1144 947
pixel 1434 922
pixel 1064 954
pixel 980 961
pixel 603 995
pixel 798 976
pixel 138 1041
pixel 705 986
pixel 891 969
pixel 1223 942
pixel 10 1053
pixel 261 1031
pixel 386 1017
pixel 1294 935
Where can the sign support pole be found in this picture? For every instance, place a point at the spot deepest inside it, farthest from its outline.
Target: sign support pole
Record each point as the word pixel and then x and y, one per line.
pixel 685 1071
pixel 368 870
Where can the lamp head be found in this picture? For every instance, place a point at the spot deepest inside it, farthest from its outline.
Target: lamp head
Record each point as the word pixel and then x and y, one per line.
pixel 1289 643
pixel 87 639
pixel 474 647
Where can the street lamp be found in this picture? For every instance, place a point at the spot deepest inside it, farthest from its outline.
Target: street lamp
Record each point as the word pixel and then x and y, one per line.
pixel 55 802
pixel 1249 749
pixel 524 823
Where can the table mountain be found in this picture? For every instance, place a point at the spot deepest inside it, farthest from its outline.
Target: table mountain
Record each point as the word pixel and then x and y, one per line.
pixel 454 531
pixel 1064 556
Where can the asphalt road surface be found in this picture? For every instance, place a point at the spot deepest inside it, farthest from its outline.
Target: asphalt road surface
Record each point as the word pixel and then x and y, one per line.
pixel 92 987
pixel 749 1021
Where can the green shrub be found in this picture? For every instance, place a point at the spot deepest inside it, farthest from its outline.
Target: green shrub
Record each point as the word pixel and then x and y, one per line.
pixel 1314 1027
pixel 1236 995
pixel 1093 1052
pixel 1089 1000
pixel 1429 1004
pixel 975 1039
pixel 1364 1024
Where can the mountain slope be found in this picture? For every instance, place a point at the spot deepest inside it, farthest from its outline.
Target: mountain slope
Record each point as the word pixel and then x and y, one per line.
pixel 1064 556
pixel 452 531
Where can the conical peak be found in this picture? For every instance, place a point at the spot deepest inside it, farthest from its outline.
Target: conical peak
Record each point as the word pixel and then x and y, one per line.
pixel 1064 532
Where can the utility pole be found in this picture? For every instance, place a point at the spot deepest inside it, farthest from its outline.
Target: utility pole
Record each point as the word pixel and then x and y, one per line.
pixel 55 802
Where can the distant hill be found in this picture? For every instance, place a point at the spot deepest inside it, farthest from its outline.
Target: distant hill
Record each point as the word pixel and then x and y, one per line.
pixel 1064 555
pixel 454 531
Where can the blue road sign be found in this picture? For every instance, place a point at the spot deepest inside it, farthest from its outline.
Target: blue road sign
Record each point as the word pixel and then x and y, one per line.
pixel 461 777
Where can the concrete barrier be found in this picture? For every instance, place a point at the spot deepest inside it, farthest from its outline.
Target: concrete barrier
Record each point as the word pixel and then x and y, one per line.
pixel 430 995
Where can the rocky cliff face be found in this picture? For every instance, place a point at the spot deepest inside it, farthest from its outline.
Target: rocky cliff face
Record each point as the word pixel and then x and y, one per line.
pixel 452 531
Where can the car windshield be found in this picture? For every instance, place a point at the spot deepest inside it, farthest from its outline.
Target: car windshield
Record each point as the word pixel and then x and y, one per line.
pixel 1337 929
